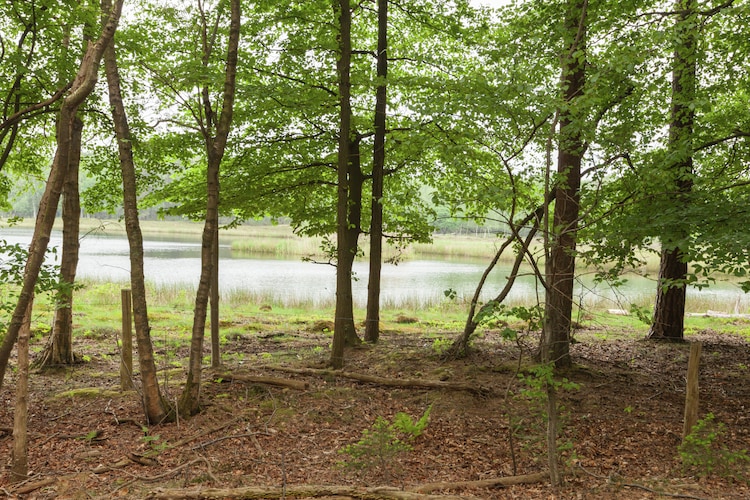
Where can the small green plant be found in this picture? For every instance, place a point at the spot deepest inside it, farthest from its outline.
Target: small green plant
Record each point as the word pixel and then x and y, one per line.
pixel 644 314
pixel 535 393
pixel 152 441
pixel 91 436
pixel 384 441
pixel 703 452
pixel 440 345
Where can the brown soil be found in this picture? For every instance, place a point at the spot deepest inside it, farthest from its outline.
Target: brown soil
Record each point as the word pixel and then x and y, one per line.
pixel 624 421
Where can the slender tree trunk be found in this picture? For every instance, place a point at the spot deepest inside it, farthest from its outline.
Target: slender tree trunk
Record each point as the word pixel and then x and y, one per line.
pixel 669 309
pixel 60 351
pixel 190 400
pixel 344 317
pixel 356 184
pixel 215 352
pixel 19 464
pixel 80 90
pixel 155 407
pixel 460 346
pixel 189 403
pixel 372 323
pixel 560 266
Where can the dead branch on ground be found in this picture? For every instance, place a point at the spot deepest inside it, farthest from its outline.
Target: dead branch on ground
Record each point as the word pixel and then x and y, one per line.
pixel 538 477
pixel 278 382
pixel 171 472
pixel 29 486
pixel 388 382
pixel 302 491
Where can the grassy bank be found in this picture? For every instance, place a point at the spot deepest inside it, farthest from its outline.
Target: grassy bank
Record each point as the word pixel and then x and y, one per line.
pixel 97 309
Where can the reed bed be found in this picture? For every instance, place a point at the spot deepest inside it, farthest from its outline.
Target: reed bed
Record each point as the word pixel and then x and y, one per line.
pixel 101 293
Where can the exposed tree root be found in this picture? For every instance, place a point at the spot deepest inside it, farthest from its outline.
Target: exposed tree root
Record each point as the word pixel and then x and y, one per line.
pixel 387 382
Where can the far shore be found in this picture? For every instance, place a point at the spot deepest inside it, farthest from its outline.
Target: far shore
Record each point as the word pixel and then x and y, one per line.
pixel 281 240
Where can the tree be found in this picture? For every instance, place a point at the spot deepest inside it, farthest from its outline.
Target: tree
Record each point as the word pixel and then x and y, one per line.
pixel 157 410
pixel 215 134
pixel 60 349
pixel 344 315
pixel 669 308
pixel 372 322
pixel 692 174
pixel 38 72
pixel 82 86
pixel 19 462
pixel 560 263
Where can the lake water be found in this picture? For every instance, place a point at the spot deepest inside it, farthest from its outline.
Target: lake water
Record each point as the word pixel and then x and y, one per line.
pixel 176 262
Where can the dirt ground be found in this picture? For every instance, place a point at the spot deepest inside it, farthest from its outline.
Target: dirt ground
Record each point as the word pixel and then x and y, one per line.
pixel 621 427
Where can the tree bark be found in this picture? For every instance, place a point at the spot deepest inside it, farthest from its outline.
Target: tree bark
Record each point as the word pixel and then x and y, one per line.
pixel 372 322
pixel 20 461
pixel 560 265
pixel 189 403
pixel 292 491
pixel 669 309
pixel 215 341
pixel 60 350
pixel 156 408
pixel 82 86
pixel 344 316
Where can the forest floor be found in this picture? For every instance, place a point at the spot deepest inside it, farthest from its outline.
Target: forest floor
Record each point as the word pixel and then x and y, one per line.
pixel 621 426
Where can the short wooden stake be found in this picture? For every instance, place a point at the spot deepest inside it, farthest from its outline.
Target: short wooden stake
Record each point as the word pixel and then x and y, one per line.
pixel 126 350
pixel 691 395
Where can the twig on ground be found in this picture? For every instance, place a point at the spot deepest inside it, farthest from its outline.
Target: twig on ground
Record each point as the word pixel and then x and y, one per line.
pixel 169 473
pixel 230 436
pixel 204 433
pixel 662 493
pixel 639 486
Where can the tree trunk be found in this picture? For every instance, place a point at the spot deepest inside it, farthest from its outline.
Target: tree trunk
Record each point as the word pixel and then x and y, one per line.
pixel 80 90
pixel 560 265
pixel 344 317
pixel 354 230
pixel 189 403
pixel 215 347
pixel 190 400
pixel 372 323
pixel 155 407
pixel 460 346
pixel 19 469
pixel 60 350
pixel 669 309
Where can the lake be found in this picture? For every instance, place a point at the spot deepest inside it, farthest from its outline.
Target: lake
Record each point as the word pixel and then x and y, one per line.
pixel 175 261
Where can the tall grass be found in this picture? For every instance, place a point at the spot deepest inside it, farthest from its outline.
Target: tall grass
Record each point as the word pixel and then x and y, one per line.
pixel 106 294
pixel 277 246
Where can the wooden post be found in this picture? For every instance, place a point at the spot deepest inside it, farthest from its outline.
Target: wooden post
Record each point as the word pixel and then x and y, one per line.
pixel 126 350
pixel 691 395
